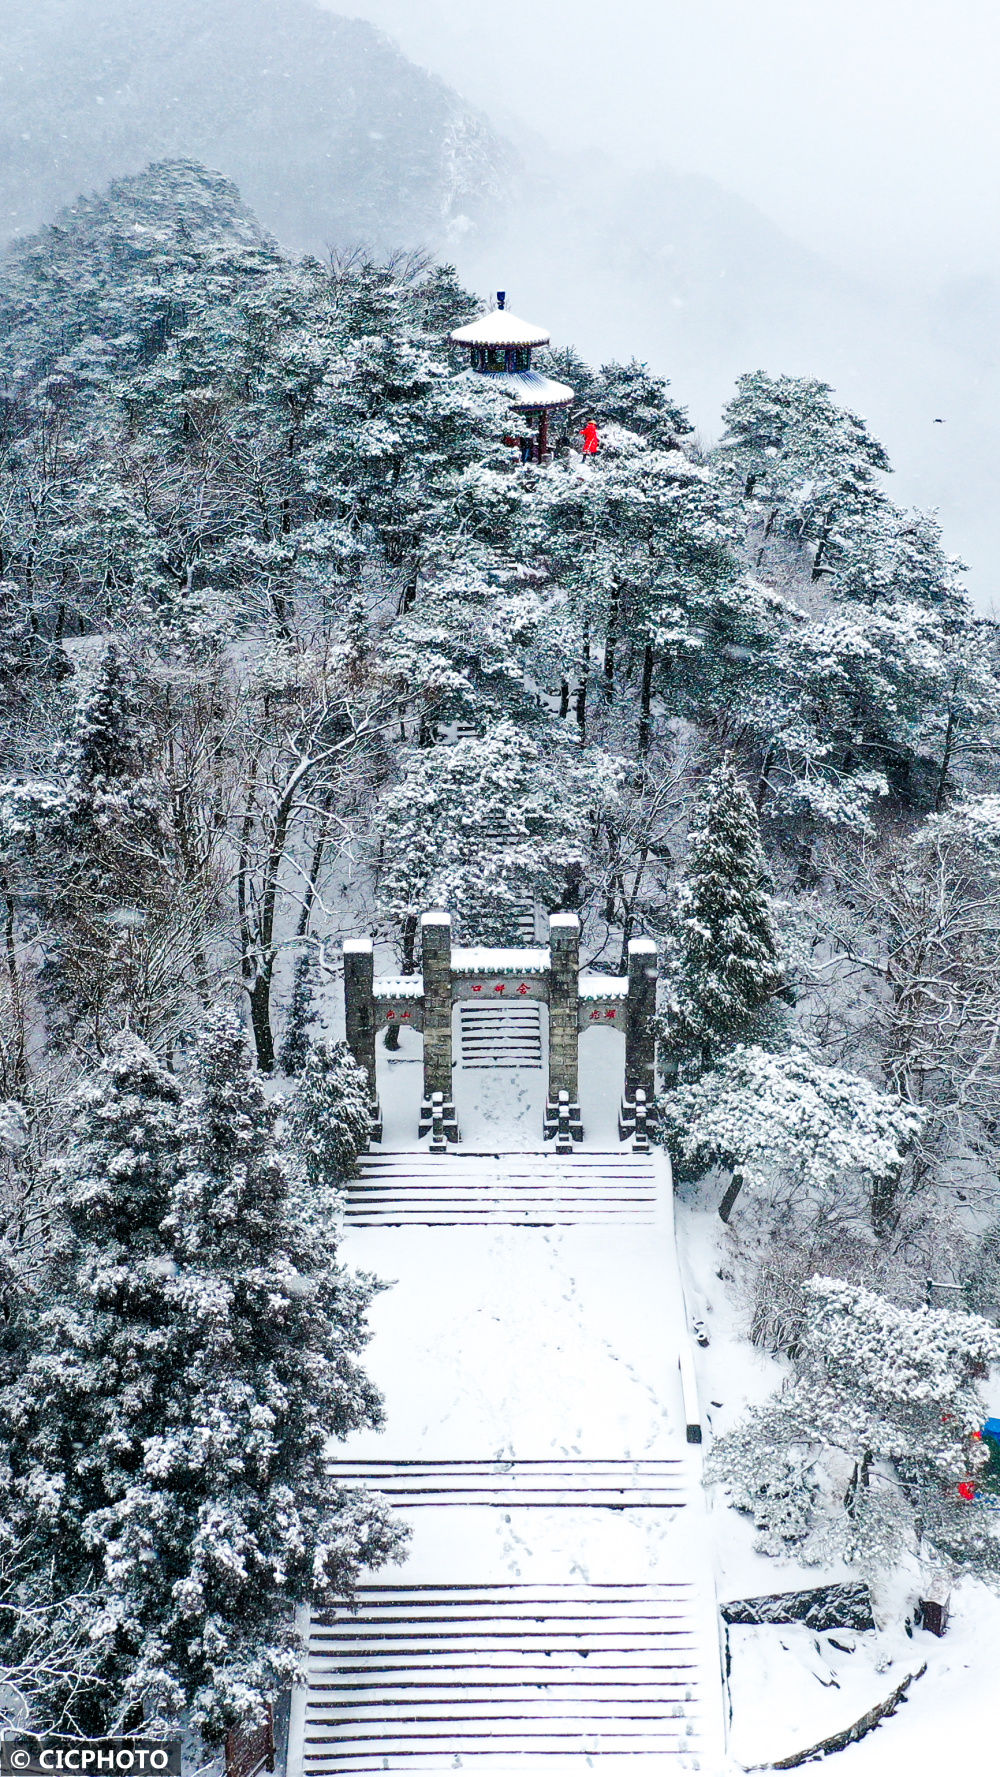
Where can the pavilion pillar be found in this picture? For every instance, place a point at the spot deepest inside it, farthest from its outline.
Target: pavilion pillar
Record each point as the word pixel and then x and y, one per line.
pixel 435 956
pixel 640 1032
pixel 359 1015
pixel 564 1023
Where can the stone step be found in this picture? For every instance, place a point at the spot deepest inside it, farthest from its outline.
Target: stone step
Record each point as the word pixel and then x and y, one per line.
pixel 422 1677
pixel 569 1482
pixel 461 1188
pixel 492 1036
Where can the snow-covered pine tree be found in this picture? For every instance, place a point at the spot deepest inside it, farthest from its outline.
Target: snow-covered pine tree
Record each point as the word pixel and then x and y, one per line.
pixel 104 746
pixel 330 1113
pixel 806 467
pixel 784 1124
pixel 301 1012
pixel 72 1448
pixel 95 848
pixel 631 395
pixel 863 1454
pixel 167 1436
pixel 724 972
pixel 487 826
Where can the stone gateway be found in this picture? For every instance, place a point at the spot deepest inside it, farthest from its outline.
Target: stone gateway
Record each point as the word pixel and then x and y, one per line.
pixel 548 973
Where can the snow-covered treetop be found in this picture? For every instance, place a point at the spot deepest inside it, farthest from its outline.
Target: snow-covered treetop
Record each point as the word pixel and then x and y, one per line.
pixel 764 1114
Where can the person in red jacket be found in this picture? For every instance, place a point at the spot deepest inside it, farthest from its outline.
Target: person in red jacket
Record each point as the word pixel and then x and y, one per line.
pixel 591 442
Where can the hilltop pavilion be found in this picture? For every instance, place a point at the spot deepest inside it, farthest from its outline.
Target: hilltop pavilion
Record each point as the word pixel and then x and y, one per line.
pixel 501 345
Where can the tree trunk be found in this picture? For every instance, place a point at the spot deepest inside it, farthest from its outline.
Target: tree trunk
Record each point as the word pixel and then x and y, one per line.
pixel 260 1020
pixel 883 1204
pixel 733 1190
pixel 20 1068
pixel 768 528
pixel 311 880
pixel 410 944
pixel 762 783
pixel 611 643
pixel 945 762
pixel 824 538
pixel 629 905
pixel 408 596
pixel 581 695
pixel 646 702
pixel 858 1483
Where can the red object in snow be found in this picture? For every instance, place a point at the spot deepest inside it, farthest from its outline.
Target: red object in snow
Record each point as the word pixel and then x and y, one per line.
pixel 591 442
pixel 966 1490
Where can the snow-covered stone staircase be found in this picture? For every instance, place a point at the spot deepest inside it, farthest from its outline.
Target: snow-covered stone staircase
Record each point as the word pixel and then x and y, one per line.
pixel 434 1678
pixel 532 1190
pixel 628 1484
pixel 555 1612
pixel 500 1036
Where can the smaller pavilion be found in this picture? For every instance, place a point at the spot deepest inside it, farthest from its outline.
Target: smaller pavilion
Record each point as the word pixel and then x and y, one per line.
pixel 501 345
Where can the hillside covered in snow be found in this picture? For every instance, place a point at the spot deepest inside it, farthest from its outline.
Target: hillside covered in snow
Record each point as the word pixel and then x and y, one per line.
pixel 305 632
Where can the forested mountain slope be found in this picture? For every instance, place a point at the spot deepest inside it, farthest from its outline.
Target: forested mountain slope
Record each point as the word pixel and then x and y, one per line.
pixel 292 647
pixel 335 139
pixel 333 136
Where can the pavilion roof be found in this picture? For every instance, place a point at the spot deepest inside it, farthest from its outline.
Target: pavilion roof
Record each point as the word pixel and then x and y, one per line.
pixel 529 389
pixel 500 328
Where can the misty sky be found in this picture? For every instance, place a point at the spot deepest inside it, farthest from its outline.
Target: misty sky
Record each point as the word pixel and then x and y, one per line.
pixel 870 129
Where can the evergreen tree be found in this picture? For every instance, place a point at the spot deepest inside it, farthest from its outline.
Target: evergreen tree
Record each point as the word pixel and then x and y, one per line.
pixel 486 827
pixel 806 467
pixel 872 1448
pixel 898 556
pixel 166 1438
pixel 632 396
pixel 105 749
pixel 724 973
pixel 330 1113
pixel 786 1124
pixel 641 554
pixel 301 1012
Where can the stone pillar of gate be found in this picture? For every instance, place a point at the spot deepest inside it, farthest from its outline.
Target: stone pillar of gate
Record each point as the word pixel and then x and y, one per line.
pixel 359 1015
pixel 640 1037
pixel 564 1023
pixel 435 955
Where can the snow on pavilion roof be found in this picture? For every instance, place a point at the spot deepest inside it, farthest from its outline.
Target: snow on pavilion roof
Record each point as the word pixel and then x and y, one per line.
pixel 528 388
pixel 500 328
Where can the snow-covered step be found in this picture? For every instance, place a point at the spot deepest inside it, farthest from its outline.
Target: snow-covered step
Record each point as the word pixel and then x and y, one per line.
pixel 459 1188
pixel 421 1677
pixel 500 1036
pixel 628 1484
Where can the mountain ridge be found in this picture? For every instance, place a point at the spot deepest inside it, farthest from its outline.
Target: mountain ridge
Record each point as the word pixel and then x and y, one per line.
pixel 331 134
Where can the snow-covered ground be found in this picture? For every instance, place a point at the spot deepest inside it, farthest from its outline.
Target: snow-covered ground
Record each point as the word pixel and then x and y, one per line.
pixel 502 1110
pixel 561 1343
pixel 544 1342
